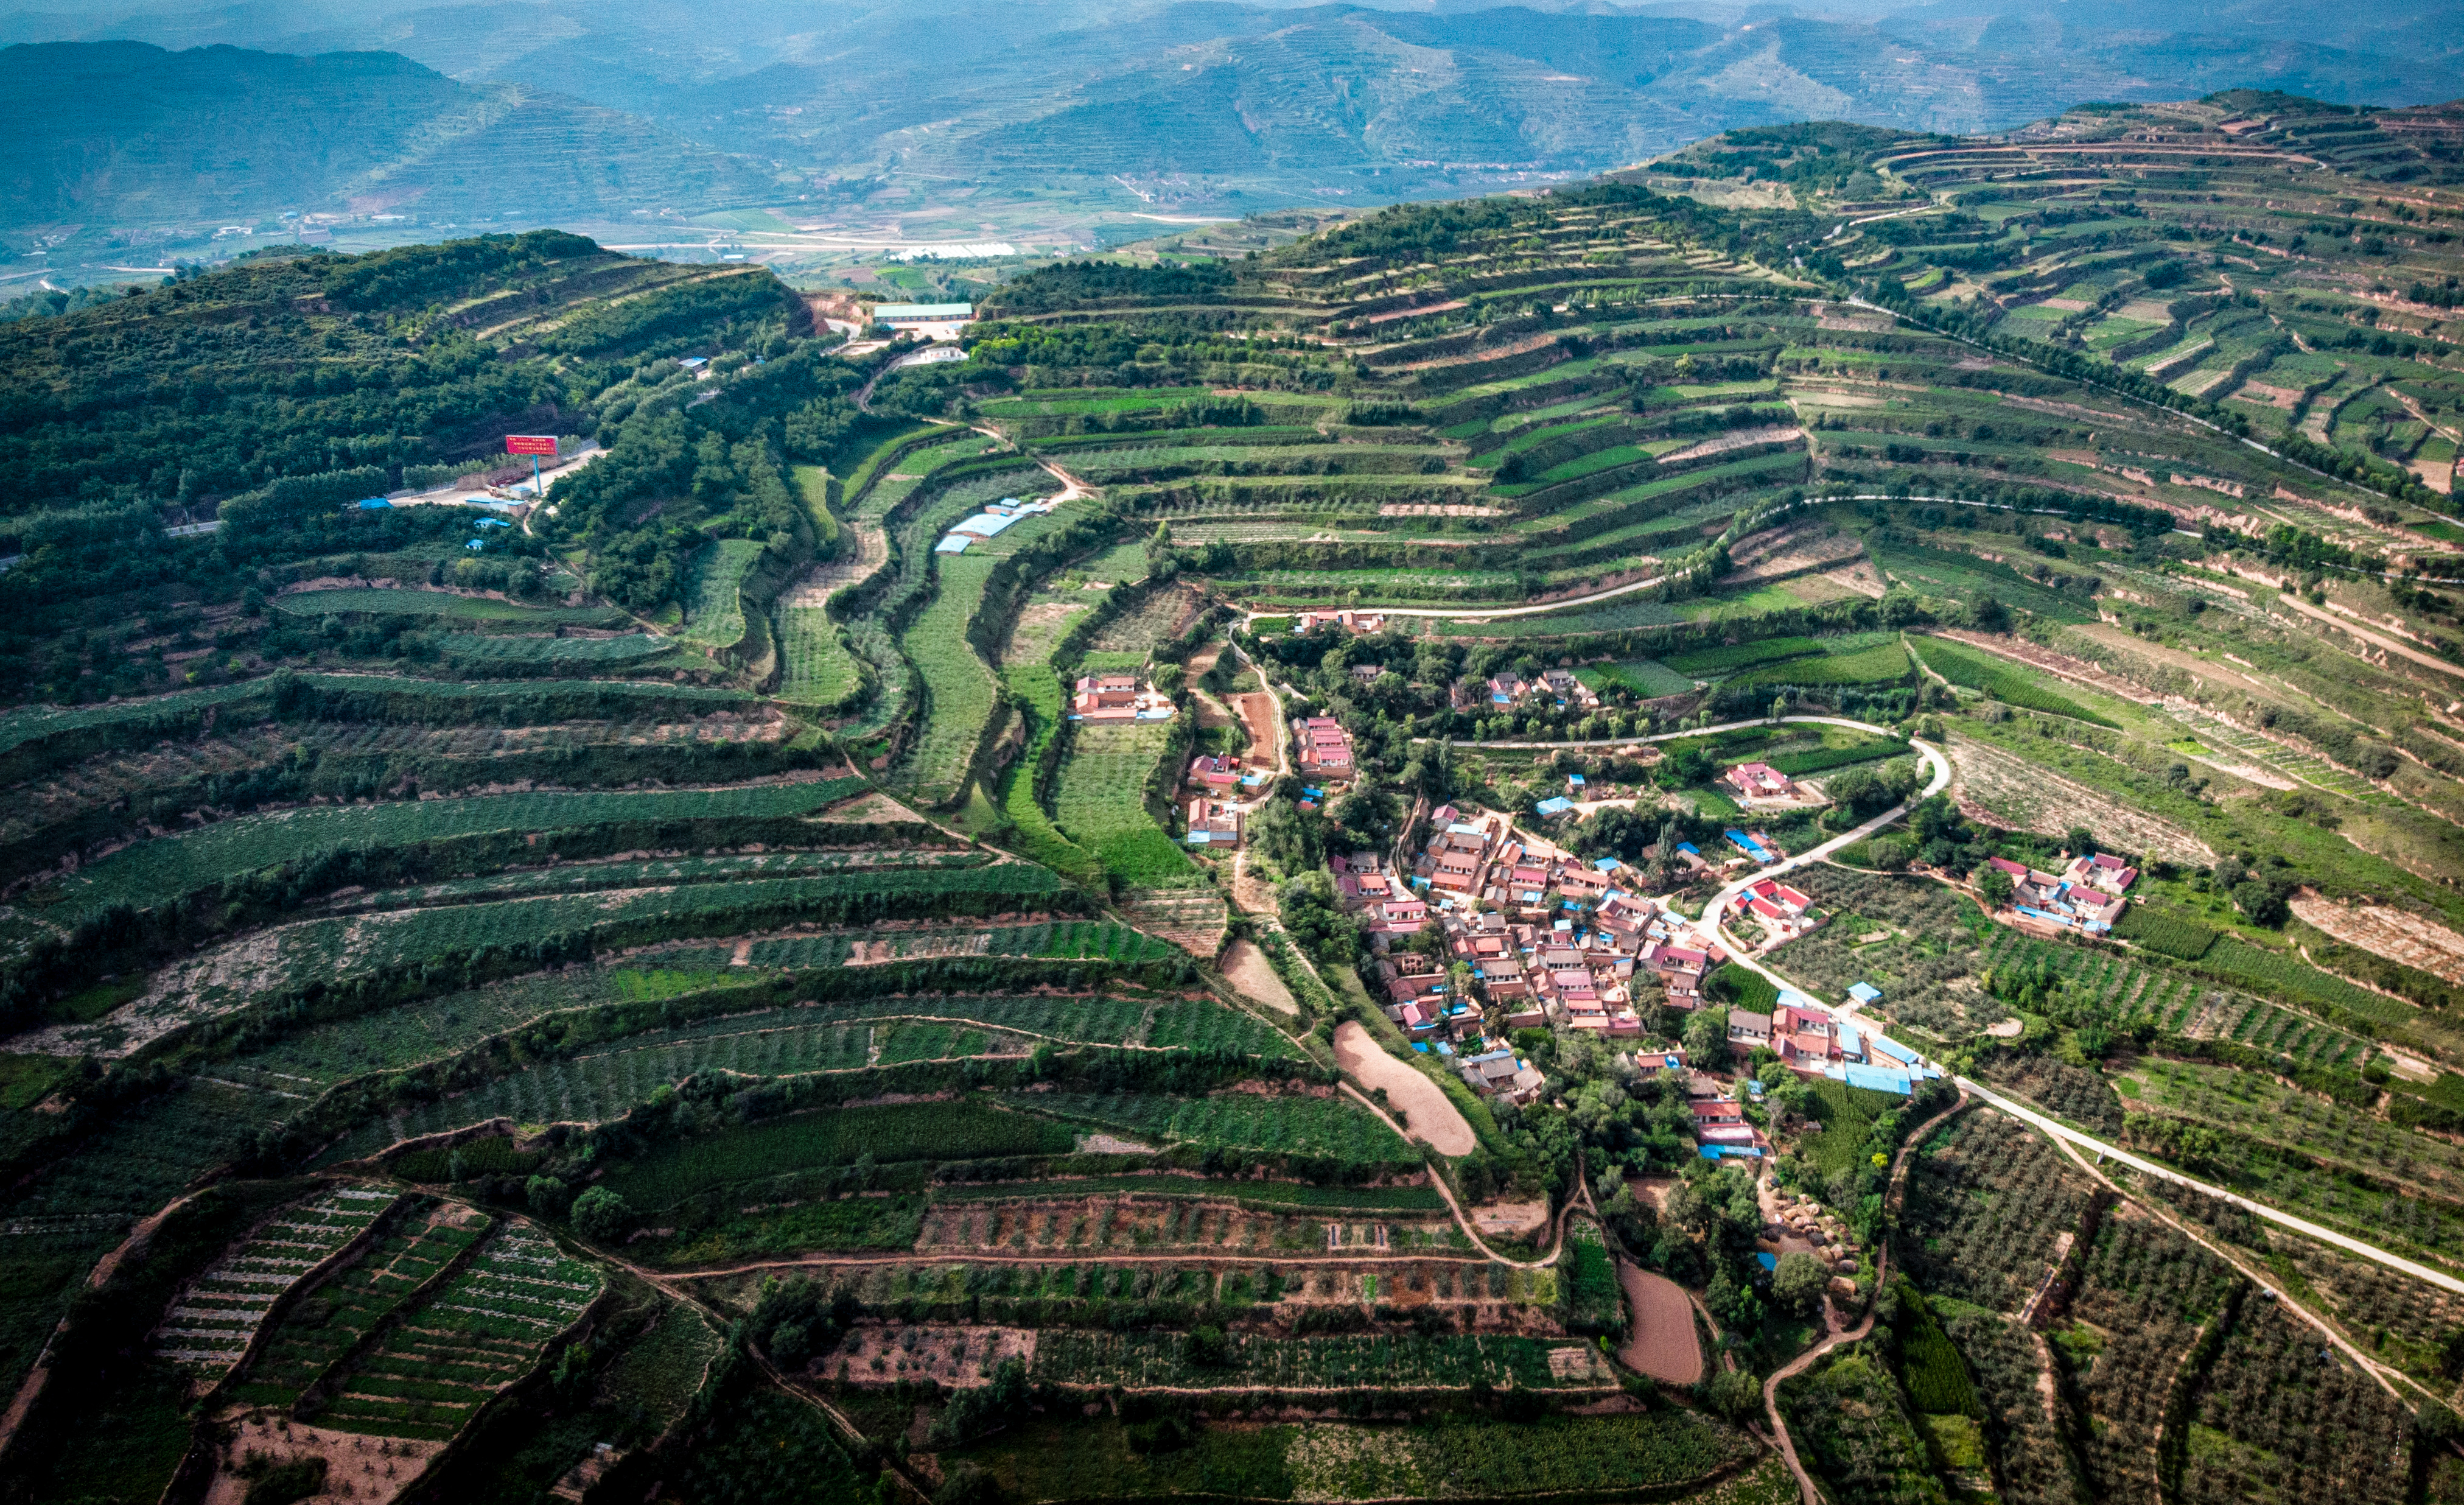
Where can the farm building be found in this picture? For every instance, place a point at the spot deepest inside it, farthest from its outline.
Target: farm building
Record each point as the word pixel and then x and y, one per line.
pixel 933 320
pixel 1759 780
pixel 1117 698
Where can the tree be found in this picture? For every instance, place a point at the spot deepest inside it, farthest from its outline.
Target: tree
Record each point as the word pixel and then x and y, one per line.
pixel 1736 1394
pixel 601 1216
pixel 548 1196
pixel 1994 886
pixel 2079 840
pixel 1798 1282
pixel 1706 1039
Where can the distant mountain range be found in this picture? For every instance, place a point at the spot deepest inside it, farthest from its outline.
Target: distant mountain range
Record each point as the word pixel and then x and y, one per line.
pixel 127 133
pixel 562 106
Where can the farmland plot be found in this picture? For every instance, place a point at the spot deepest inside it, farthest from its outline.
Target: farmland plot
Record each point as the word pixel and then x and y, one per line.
pixel 2012 792
pixel 548 928
pixel 1991 1209
pixel 157 872
pixel 1099 803
pixel 480 1332
pixel 316 1334
pixel 1143 1361
pixel 1330 1127
pixel 713 591
pixel 209 1327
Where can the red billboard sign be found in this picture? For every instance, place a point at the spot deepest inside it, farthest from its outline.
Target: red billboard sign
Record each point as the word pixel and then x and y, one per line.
pixel 531 444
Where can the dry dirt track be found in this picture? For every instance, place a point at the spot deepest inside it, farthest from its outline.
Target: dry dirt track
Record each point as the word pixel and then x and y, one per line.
pixel 1428 1115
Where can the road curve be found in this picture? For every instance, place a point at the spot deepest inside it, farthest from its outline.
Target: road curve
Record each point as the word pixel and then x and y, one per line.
pixel 1712 912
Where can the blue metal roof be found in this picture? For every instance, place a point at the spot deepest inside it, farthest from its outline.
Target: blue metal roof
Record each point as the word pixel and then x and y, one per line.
pixel 1876 1079
pixel 1864 992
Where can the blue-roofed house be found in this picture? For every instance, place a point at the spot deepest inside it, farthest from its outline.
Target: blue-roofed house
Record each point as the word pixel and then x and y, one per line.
pixel 1604 865
pixel 371 503
pixel 1876 1079
pixel 1865 993
pixel 1554 807
pixel 953 544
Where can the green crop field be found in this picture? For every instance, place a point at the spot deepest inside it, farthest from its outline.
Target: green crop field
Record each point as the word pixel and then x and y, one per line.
pixel 476 609
pixel 2005 682
pixel 714 599
pixel 1098 803
pixel 959 687
pixel 156 871
pixel 935 1131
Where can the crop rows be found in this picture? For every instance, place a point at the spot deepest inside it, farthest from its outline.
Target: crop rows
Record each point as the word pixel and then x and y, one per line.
pixel 477 1333
pixel 1971 669
pixel 209 1325
pixel 1986 1202
pixel 1099 803
pixel 419 941
pixel 582 877
pixel 484 651
pixel 1331 1128
pixel 1400 1361
pixel 2314 771
pixel 965 1129
pixel 378 601
pixel 154 872
pixel 319 1333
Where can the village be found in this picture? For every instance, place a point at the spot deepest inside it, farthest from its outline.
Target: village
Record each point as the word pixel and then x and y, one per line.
pixel 1489 929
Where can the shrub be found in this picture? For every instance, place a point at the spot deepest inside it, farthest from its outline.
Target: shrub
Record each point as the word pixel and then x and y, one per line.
pixel 601 1216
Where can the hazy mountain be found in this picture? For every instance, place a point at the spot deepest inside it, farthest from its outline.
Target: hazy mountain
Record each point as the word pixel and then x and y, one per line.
pixel 1357 102
pixel 129 133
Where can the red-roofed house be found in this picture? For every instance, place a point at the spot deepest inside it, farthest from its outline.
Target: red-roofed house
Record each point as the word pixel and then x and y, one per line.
pixel 1325 748
pixel 1759 780
pixel 2097 871
pixel 1215 772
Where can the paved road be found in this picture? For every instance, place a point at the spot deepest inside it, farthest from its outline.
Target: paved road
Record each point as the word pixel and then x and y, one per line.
pixel 1712 912
pixel 2302 1225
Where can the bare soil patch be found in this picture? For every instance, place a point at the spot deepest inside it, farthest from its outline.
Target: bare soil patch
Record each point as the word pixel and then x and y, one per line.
pixel 1257 711
pixel 2011 791
pixel 1510 1218
pixel 1248 970
pixel 1662 1343
pixel 358 1467
pixel 959 1357
pixel 1428 1115
pixel 813 588
pixel 2408 939
pixel 1192 918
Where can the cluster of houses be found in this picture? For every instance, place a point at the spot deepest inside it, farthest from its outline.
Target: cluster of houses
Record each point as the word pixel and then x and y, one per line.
pixel 1321 747
pixel 1218 782
pixel 1545 937
pixel 1760 784
pixel 1507 688
pixel 1812 1041
pixel 2085 895
pixel 1784 913
pixel 1117 698
pixel 1360 622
